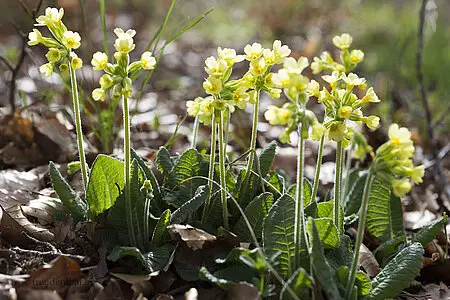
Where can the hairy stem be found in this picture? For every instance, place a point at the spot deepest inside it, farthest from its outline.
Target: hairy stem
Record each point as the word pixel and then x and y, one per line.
pixel 299 201
pixel 127 154
pixel 318 167
pixel 359 236
pixel 212 160
pixel 223 195
pixel 252 149
pixel 348 163
pixel 338 182
pixel 195 133
pixel 78 129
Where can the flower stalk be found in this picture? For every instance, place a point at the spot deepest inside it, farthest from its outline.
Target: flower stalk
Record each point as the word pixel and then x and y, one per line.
pixel 318 167
pixel 127 168
pixel 300 224
pixel 223 184
pixel 212 160
pixel 338 181
pixel 78 128
pixel 195 133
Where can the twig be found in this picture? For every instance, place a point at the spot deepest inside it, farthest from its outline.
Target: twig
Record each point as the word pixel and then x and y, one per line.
pixel 442 118
pixel 439 176
pixel 15 69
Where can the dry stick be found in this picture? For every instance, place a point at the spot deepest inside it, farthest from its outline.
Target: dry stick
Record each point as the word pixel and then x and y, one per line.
pixel 15 69
pixel 437 172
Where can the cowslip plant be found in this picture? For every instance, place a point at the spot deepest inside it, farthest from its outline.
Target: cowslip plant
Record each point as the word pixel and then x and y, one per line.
pixel 118 80
pixel 393 163
pixel 61 53
pixel 342 105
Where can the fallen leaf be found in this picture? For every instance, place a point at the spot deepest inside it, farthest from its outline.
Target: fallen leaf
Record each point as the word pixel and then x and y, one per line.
pixel 193 237
pixel 58 275
pixel 368 261
pixel 13 221
pixel 38 294
pixel 14 180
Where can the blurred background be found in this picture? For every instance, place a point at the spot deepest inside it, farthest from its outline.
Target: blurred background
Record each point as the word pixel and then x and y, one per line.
pixel 386 30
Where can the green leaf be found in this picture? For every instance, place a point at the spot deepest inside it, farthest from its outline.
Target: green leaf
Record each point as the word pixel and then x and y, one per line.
pixel 384 215
pixel 398 273
pixel 248 191
pixel 77 207
pixel 327 231
pixel 267 157
pixel 190 164
pixel 307 190
pixel 105 184
pixel 427 233
pixel 152 261
pixel 342 255
pixel 387 249
pixel 322 269
pixel 187 209
pixel 139 213
pixel 157 196
pixel 255 212
pixel 278 234
pixel 160 233
pixel 276 186
pixel 362 281
pixel 164 162
pixel 353 200
pixel 326 210
pixel 300 283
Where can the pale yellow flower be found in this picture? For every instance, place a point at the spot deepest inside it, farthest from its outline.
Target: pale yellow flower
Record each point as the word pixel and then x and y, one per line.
pixel 342 41
pixel 212 85
pixel 215 67
pixel 46 69
pixel 99 61
pixel 148 62
pixel 401 186
pixel 124 42
pixel 71 40
pixel 99 94
pixel 253 51
pixel 34 37
pixel 51 17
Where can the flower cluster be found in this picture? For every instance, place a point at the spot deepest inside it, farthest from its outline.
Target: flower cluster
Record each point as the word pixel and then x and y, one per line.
pixel 341 101
pixel 229 94
pixel 292 113
pixel 117 77
pixel 393 161
pixel 60 45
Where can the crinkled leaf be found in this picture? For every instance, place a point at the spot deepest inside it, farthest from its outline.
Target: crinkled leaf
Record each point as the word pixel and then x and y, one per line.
pixel 77 207
pixel 354 197
pixel 342 255
pixel 255 212
pixel 276 184
pixel 189 165
pixel 187 209
pixel 327 231
pixel 160 233
pixel 322 269
pixel 387 249
pixel 326 210
pixel 384 215
pixel 398 273
pixel 362 281
pixel 307 190
pixel 138 211
pixel 427 233
pixel 164 162
pixel 106 182
pixel 278 234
